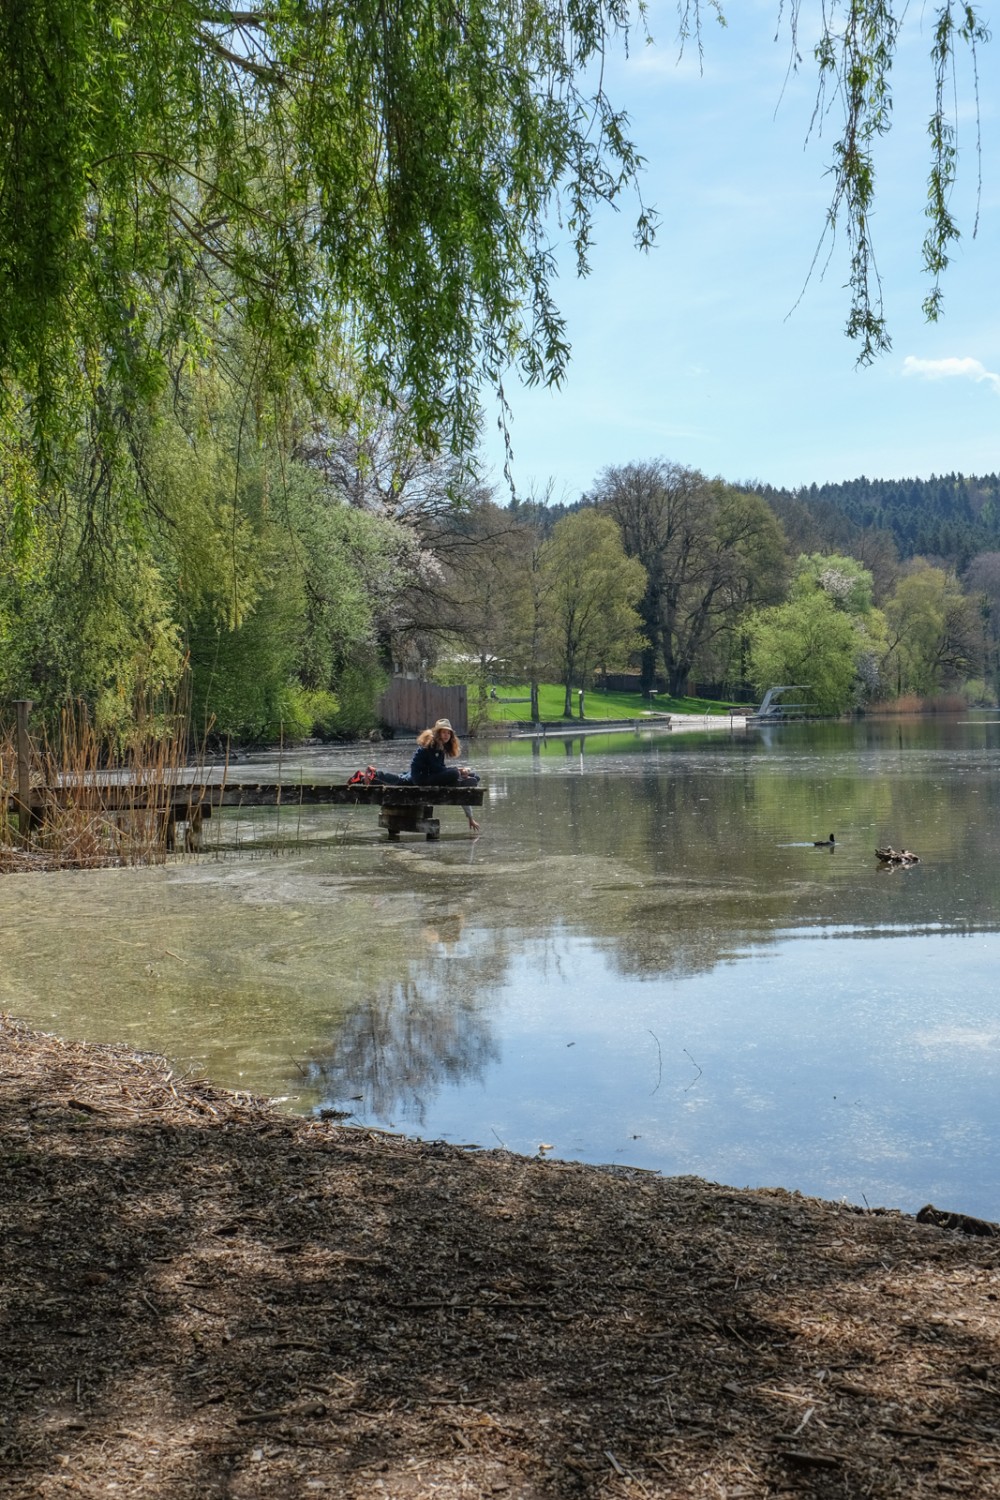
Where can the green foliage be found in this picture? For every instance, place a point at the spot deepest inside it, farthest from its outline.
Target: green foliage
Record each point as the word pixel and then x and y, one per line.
pixel 197 501
pixel 808 640
pixel 83 622
pixel 330 571
pixel 858 43
pixel 847 584
pixel 321 708
pixel 337 180
pixel 589 615
pixel 243 683
pixel 936 632
pixel 976 693
pixel 846 587
pixel 235 555
pixel 709 552
pixel 359 687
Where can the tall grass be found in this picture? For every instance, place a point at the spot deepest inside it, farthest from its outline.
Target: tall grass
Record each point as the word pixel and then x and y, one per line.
pixel 912 703
pixel 84 826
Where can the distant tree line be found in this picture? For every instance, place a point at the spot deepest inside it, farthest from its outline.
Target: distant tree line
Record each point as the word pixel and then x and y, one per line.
pixel 275 590
pixel 952 517
pixel 737 586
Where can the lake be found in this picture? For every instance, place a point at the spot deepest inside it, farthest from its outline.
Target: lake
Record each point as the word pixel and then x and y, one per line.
pixel 642 959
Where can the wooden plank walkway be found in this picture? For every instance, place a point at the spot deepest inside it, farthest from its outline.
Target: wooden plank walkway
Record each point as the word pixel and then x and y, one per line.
pixel 189 798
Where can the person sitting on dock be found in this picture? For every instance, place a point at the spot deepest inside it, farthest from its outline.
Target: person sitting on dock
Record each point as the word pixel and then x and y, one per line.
pixel 428 767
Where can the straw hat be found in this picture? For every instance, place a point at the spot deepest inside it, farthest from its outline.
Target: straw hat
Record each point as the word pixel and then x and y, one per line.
pixel 443 724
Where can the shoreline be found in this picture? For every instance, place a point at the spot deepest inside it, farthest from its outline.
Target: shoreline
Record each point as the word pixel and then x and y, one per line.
pixel 661 723
pixel 205 1297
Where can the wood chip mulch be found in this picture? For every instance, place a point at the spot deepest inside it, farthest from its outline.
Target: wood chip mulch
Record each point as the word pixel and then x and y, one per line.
pixel 203 1297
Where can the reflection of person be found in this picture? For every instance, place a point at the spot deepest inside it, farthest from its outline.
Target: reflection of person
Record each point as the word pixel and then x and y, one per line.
pixel 428 767
pixel 447 932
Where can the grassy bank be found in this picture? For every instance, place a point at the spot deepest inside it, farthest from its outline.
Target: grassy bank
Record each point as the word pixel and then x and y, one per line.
pixel 597 705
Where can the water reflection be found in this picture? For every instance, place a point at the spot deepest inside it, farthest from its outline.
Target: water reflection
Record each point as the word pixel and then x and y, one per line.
pixel 396 1050
pixel 642 959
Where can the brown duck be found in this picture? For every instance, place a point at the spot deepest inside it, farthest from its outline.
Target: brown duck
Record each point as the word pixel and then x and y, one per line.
pixel 890 856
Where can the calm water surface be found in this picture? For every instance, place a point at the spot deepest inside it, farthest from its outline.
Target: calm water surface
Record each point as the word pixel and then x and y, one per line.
pixel 643 959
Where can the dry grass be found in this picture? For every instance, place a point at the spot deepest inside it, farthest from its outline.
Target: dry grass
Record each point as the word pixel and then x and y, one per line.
pixel 203 1299
pixel 911 703
pixel 88 832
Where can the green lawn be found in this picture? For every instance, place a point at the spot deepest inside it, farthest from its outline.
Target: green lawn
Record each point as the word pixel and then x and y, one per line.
pixel 551 698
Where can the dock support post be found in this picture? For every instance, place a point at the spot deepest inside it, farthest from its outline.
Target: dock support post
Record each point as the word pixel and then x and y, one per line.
pixel 412 819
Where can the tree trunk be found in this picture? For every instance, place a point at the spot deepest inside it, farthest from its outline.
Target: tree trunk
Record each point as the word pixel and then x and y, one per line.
pixel 483 690
pixel 677 677
pixel 649 614
pixel 647 670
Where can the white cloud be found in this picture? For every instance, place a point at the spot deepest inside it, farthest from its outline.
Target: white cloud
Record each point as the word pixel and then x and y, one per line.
pixel 941 369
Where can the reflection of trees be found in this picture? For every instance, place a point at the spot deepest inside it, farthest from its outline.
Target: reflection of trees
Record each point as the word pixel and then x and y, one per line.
pixel 658 945
pixel 675 864
pixel 670 862
pixel 394 1052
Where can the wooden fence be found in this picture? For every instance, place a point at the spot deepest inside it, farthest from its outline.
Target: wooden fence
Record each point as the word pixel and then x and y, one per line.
pixel 411 705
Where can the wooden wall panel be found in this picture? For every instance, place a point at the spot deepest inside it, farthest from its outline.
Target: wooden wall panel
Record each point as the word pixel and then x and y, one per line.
pixel 410 705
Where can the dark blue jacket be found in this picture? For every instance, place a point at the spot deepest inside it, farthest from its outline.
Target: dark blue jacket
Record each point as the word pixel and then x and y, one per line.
pixel 428 768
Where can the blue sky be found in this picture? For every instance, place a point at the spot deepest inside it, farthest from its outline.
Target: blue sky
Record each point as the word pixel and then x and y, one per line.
pixel 707 351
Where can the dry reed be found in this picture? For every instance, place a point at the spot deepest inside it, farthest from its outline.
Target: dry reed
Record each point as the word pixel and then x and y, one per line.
pixel 912 704
pixel 85 824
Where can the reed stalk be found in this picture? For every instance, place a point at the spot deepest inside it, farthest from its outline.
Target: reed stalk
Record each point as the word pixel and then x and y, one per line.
pixel 84 829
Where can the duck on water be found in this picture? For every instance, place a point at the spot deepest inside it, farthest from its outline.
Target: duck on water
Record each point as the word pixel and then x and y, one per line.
pixel 895 857
pixel 830 843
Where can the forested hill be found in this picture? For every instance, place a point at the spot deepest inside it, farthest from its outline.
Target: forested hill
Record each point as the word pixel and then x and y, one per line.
pixel 951 517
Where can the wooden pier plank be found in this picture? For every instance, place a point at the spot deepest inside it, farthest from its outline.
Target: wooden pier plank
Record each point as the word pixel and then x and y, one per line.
pixel 403 809
pixel 133 797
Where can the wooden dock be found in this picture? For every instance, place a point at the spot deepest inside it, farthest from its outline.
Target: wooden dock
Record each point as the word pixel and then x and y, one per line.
pixel 189 798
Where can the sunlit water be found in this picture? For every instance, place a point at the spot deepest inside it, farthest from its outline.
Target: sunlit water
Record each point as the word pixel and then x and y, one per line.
pixel 642 959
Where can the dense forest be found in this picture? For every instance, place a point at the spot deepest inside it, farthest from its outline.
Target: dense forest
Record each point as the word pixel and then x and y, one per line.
pixel 951 517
